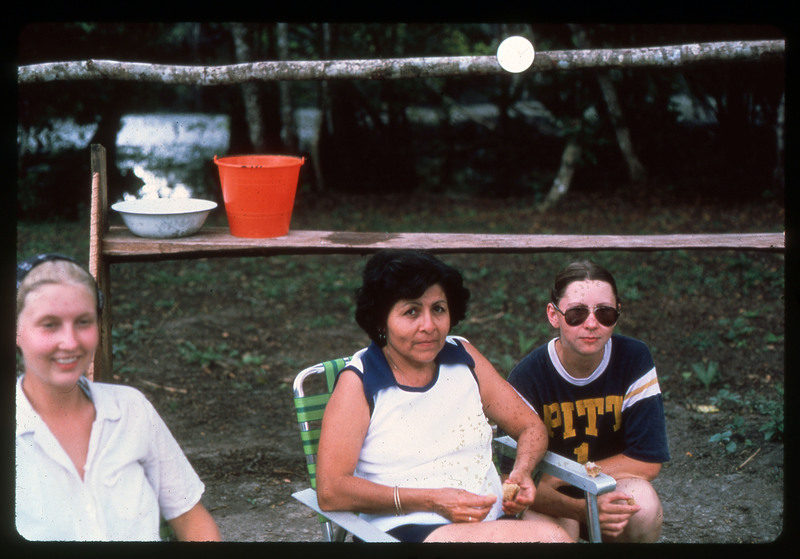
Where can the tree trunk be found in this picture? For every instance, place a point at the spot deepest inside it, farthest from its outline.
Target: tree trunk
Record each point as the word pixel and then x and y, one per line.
pixel 636 170
pixel 569 161
pixel 252 104
pixel 324 114
pixel 288 128
pixel 778 173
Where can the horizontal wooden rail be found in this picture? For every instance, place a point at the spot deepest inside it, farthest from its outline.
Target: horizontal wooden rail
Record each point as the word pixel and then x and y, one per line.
pixel 399 68
pixel 120 245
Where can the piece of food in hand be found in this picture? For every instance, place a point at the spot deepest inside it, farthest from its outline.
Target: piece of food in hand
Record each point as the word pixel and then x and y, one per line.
pixel 510 491
pixel 592 469
pixel 631 501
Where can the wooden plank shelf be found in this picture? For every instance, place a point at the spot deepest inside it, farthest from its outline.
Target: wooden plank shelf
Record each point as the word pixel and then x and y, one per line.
pixel 120 245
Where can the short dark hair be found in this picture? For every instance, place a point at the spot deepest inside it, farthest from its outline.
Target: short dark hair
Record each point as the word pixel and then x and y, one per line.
pixel 392 275
pixel 581 271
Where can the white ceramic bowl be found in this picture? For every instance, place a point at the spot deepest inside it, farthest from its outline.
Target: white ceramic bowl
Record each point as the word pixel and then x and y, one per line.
pixel 164 218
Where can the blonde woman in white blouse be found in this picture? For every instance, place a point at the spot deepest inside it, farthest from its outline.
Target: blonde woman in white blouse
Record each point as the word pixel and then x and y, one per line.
pixel 94 461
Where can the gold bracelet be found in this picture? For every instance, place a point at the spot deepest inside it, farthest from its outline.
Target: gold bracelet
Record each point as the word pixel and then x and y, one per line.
pixel 397 507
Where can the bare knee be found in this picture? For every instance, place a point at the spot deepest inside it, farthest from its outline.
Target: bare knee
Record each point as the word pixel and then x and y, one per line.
pixel 533 528
pixel 645 525
pixel 550 529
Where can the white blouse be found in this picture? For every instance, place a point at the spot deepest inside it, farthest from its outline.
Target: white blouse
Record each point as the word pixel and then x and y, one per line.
pixel 135 471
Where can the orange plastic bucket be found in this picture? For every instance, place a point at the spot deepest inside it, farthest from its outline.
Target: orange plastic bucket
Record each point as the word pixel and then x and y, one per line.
pixel 258 191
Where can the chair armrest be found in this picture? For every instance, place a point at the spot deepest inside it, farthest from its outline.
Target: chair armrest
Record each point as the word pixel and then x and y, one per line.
pixel 350 521
pixel 568 470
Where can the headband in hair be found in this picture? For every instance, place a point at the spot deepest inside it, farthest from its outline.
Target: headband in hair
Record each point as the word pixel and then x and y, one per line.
pixel 24 268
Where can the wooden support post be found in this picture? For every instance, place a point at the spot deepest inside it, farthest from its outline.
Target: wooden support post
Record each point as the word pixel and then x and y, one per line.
pixel 98 266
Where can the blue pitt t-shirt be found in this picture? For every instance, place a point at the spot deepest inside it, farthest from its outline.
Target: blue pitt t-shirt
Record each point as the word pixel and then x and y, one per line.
pixel 617 409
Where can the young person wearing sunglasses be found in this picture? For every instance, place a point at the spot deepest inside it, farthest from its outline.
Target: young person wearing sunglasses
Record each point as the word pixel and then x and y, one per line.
pixel 598 395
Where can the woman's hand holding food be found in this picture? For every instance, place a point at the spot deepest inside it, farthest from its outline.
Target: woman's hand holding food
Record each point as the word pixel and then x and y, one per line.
pixel 458 505
pixel 517 497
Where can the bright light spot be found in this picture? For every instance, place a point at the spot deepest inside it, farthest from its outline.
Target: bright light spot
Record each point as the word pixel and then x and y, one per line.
pixel 156 186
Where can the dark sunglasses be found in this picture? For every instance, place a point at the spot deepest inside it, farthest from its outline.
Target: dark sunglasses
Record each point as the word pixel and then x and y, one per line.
pixel 607 316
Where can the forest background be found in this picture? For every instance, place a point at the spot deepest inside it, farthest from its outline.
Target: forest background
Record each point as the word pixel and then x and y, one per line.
pixel 405 135
pixel 214 343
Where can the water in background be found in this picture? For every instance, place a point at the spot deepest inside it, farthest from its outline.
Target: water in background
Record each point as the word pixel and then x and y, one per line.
pixel 169 152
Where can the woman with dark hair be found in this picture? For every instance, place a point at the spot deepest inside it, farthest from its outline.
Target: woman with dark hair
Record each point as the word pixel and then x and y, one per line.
pixel 393 275
pixel 597 393
pixel 406 438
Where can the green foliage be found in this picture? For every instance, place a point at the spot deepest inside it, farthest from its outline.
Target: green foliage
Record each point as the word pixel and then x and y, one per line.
pixel 255 366
pixel 738 330
pixel 639 279
pixel 526 343
pixel 245 368
pixel 725 397
pixel 704 340
pixel 53 236
pixel 126 338
pixel 770 407
pixel 705 372
pixel 221 354
pixel 771 338
pixel 166 532
pixel 749 275
pixel 773 409
pixel 732 430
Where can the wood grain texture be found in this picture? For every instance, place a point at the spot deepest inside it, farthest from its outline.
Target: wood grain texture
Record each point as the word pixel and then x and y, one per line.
pixel 120 245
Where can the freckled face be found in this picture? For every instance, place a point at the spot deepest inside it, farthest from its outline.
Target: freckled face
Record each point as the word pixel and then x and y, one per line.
pixel 590 337
pixel 416 328
pixel 57 333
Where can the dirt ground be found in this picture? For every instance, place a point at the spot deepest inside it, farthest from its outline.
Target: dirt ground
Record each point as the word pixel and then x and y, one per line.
pixel 236 424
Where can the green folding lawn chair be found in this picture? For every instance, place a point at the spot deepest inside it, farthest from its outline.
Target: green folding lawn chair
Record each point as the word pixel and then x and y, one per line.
pixel 312 390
